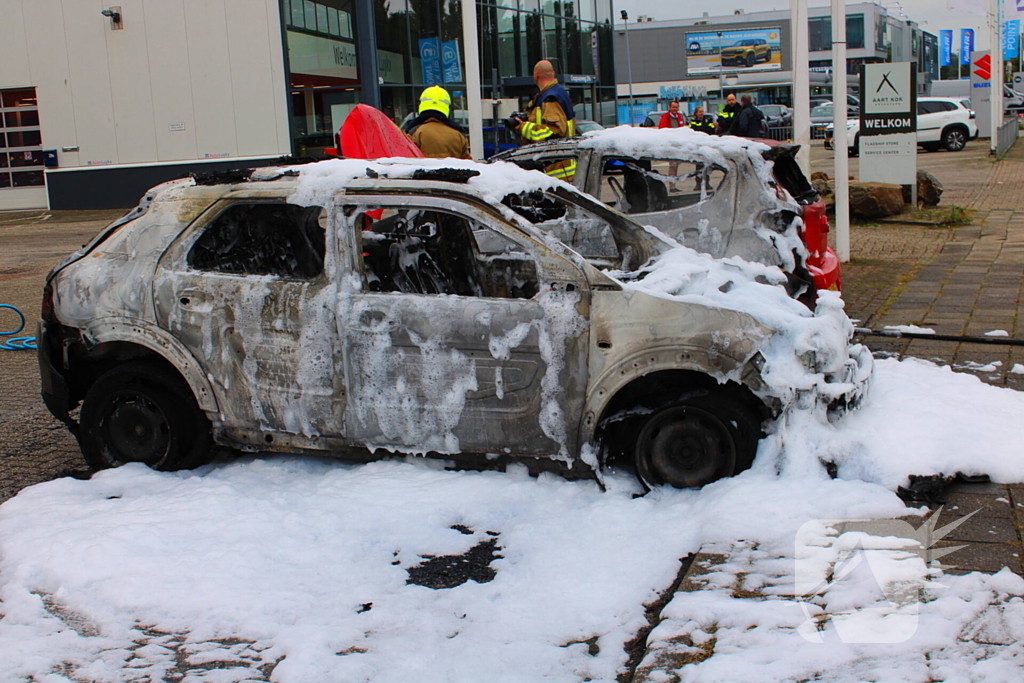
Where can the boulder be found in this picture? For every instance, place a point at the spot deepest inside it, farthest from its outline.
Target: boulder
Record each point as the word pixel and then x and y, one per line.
pixel 819 175
pixel 929 190
pixel 875 200
pixel 826 189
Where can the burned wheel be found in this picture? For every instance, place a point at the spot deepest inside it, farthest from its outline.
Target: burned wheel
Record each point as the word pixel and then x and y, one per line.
pixel 696 440
pixel 140 412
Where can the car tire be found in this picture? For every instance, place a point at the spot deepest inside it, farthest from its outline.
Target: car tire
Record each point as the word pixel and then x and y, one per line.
pixel 768 56
pixel 142 412
pixel 700 438
pixel 931 146
pixel 854 150
pixel 751 59
pixel 954 138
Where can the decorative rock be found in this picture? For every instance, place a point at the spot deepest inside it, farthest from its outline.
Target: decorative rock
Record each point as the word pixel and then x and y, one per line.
pixel 929 190
pixel 819 175
pixel 825 189
pixel 875 200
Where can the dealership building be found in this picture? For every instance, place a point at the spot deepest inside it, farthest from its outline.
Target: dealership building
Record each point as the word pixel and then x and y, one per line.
pixel 702 60
pixel 99 102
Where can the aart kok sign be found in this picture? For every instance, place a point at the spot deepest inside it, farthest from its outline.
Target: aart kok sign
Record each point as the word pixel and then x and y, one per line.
pixel 889 93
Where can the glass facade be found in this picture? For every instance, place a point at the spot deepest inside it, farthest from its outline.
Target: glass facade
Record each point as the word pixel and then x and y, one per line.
pixel 819 31
pixel 419 43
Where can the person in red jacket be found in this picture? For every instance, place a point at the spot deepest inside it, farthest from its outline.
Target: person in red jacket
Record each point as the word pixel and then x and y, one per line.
pixel 672 118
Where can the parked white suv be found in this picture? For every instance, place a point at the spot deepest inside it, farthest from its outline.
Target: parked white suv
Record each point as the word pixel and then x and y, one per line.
pixel 942 122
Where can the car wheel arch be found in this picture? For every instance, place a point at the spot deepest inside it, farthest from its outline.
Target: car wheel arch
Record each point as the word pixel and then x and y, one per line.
pixel 955 127
pixel 117 340
pixel 623 414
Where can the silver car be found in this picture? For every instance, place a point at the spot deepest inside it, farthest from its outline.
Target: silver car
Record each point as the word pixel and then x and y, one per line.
pixel 396 307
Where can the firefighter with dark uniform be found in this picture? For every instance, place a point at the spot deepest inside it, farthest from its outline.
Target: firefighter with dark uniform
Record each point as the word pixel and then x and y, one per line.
pixel 702 122
pixel 549 115
pixel 434 133
pixel 727 116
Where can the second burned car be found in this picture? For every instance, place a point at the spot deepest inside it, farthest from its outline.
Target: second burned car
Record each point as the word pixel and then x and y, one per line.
pixel 361 308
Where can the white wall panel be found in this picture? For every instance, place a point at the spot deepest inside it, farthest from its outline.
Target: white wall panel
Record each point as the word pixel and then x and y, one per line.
pixel 172 79
pixel 85 36
pixel 48 72
pixel 210 67
pixel 14 72
pixel 130 86
pixel 251 29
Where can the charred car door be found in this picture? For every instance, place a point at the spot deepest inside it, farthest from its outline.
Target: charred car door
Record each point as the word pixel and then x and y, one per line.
pixel 247 291
pixel 463 335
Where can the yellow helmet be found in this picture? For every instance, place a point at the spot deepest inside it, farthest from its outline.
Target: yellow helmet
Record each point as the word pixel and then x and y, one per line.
pixel 436 98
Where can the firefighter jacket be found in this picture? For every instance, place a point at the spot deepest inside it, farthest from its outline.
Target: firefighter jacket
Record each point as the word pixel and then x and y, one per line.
pixel 727 118
pixel 438 138
pixel 551 115
pixel 704 125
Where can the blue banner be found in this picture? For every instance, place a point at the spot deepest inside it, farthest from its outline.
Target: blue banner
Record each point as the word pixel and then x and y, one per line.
pixel 1011 39
pixel 966 45
pixel 430 60
pixel 945 47
pixel 450 61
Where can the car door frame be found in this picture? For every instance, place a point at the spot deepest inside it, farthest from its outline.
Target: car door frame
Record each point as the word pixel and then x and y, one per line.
pixel 366 317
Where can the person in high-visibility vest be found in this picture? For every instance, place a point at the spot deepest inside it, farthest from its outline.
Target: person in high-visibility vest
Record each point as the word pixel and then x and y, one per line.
pixel 727 116
pixel 549 115
pixel 434 133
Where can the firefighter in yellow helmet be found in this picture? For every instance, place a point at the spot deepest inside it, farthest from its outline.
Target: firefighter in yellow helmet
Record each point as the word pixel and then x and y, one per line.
pixel 434 133
pixel 550 115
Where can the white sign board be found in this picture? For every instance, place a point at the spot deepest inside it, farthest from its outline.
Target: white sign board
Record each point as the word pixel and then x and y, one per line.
pixel 318 56
pixel 888 123
pixel 981 91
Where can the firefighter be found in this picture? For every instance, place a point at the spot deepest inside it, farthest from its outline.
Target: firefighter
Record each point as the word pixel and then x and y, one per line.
pixel 727 116
pixel 550 115
pixel 434 133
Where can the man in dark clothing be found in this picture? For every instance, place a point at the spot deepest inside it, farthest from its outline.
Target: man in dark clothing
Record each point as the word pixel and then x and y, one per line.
pixel 702 122
pixel 727 117
pixel 748 123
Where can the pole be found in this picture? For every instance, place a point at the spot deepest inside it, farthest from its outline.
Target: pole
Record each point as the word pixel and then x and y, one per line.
pixel 801 84
pixel 474 101
pixel 995 22
pixel 841 143
pixel 366 54
pixel 629 63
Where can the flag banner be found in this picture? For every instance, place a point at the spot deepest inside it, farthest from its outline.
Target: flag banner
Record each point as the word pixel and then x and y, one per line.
pixel 946 46
pixel 1011 39
pixel 966 45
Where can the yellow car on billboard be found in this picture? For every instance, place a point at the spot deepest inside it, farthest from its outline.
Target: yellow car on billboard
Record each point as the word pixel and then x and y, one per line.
pixel 747 52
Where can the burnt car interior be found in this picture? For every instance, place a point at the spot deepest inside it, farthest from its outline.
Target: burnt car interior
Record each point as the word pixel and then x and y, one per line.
pixel 424 251
pixel 591 237
pixel 649 185
pixel 263 238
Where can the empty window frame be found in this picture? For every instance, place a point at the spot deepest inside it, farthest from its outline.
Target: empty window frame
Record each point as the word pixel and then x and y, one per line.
pixel 649 185
pixel 263 238
pixel 415 250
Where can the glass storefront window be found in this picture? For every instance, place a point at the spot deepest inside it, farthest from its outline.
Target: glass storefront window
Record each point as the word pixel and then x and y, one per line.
pixel 21 154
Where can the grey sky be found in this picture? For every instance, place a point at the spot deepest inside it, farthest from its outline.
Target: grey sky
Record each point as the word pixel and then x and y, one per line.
pixel 932 15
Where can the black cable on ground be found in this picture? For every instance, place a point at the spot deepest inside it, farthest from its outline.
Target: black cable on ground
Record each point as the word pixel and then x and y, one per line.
pixel 998 341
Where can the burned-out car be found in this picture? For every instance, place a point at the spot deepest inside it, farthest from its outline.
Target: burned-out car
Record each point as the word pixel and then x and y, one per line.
pixel 723 196
pixel 361 308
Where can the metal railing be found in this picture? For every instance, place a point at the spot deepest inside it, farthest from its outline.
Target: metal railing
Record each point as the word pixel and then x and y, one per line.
pixel 1006 136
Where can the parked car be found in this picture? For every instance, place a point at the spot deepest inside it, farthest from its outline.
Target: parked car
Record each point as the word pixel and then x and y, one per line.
pixel 822 116
pixel 359 308
pixel 777 115
pixel 585 126
pixel 942 123
pixel 818 100
pixel 747 52
pixel 707 192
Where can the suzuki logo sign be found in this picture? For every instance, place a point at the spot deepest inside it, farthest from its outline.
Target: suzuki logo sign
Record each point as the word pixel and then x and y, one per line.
pixel 983 67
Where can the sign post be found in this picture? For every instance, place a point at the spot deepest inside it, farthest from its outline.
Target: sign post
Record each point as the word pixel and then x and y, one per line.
pixel 888 124
pixel 981 91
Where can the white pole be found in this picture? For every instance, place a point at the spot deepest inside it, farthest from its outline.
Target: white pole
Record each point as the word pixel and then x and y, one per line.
pixel 839 139
pixel 801 83
pixel 473 97
pixel 995 22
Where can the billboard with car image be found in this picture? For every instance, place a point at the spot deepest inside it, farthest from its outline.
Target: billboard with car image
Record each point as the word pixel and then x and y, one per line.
pixel 731 51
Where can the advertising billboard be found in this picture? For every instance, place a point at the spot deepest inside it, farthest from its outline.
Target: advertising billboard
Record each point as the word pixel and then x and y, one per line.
pixel 734 51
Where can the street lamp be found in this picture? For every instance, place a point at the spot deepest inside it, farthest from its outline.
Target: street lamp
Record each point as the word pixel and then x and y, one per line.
pixel 629 64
